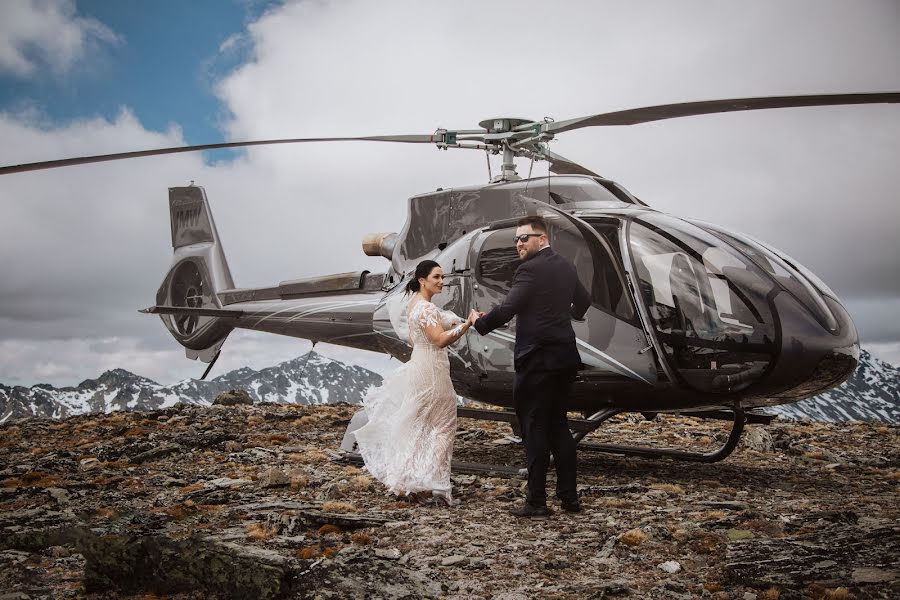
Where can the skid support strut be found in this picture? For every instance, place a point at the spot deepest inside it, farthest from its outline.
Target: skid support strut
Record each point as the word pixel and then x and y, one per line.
pixel 738 419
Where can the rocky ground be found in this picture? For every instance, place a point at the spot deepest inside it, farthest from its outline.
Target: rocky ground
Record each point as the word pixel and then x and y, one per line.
pixel 249 502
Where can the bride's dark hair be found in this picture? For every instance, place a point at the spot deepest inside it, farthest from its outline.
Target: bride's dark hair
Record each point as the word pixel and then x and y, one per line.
pixel 423 269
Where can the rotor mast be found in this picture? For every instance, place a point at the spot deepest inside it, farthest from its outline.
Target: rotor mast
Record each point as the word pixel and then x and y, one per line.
pixel 501 136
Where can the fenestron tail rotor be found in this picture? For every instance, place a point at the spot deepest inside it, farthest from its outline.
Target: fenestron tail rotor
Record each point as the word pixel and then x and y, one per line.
pixel 511 136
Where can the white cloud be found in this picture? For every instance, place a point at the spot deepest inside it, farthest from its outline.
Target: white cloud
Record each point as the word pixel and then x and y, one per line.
pixel 37 33
pixel 82 248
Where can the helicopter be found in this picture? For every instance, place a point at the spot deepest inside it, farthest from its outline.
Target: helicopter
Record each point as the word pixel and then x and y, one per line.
pixel 686 316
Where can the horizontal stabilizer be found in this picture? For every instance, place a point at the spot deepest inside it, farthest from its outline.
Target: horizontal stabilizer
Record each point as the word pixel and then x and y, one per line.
pixel 186 310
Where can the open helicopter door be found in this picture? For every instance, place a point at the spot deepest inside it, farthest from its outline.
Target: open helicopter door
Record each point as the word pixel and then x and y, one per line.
pixel 611 340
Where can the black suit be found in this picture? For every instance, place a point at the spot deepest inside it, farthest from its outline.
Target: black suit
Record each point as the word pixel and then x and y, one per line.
pixel 545 296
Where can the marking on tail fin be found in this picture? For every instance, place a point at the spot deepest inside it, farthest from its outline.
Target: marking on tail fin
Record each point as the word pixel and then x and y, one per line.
pixel 189 217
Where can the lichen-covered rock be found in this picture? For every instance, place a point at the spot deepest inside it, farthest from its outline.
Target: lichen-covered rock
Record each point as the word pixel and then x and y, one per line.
pixel 232 398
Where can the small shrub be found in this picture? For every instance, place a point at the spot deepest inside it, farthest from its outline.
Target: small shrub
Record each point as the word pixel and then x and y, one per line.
pixel 309 552
pixel 328 528
pixel 361 538
pixel 633 537
pixel 669 488
pixel 259 532
pixel 298 481
pixel 339 507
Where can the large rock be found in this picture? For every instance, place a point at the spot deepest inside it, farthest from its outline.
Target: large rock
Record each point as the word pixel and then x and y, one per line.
pixel 233 397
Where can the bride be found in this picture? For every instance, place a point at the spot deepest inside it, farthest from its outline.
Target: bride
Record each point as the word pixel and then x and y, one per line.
pixel 407 443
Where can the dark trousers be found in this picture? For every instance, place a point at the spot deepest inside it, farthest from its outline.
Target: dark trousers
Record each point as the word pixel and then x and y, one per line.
pixel 541 399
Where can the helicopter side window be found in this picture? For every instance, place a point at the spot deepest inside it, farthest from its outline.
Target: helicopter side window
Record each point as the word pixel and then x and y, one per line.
pixel 596 269
pixel 608 289
pixel 498 261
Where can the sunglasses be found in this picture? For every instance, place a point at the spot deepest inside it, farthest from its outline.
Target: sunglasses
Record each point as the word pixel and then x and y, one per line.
pixel 524 237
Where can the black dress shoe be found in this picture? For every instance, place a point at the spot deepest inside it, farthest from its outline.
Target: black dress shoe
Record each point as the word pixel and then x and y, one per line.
pixel 572 507
pixel 527 510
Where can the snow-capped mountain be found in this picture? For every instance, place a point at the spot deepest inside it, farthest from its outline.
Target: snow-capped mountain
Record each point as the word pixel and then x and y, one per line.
pixel 308 379
pixel 871 394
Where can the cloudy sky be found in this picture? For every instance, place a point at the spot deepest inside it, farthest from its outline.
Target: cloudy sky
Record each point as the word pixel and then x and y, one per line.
pixel 82 248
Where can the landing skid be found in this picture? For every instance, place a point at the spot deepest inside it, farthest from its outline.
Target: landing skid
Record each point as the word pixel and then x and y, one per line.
pixel 738 419
pixel 580 429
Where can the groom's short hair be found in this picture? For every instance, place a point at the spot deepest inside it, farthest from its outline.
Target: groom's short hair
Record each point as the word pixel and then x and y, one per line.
pixel 538 224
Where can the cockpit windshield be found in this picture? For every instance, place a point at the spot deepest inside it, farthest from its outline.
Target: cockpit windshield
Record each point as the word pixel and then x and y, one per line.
pixel 706 302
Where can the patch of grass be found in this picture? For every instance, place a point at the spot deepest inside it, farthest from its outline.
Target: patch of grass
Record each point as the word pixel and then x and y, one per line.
pixel 361 538
pixel 309 552
pixel 669 488
pixel 712 587
pixel 770 528
pixel 254 420
pixel 258 532
pixel 117 464
pixel 299 481
pixel 339 507
pixel 103 512
pixel 614 502
pixel 815 455
pixel 305 421
pixel 328 528
pixel 704 543
pixel 180 511
pixel 712 515
pixel 278 438
pixel 191 488
pixel 360 483
pixel 311 457
pixel 33 479
pixel 770 594
pixel 10 436
pixel 633 537
pixel 138 431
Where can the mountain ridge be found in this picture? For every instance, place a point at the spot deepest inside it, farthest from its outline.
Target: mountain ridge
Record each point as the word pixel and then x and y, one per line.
pixel 871 394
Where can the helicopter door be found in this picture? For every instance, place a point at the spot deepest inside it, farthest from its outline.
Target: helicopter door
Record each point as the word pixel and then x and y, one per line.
pixel 610 338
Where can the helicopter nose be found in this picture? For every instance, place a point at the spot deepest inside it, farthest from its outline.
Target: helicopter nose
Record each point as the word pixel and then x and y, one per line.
pixel 813 357
pixel 734 317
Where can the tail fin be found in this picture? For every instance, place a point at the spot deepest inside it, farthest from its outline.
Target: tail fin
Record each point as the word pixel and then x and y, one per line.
pixel 198 272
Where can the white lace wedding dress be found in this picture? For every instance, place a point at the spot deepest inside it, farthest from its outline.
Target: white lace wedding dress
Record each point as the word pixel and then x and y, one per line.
pixel 407 443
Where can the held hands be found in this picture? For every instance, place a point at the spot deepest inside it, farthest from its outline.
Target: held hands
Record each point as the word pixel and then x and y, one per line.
pixel 474 315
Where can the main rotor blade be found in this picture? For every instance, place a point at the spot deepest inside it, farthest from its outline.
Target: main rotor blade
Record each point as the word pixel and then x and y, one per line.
pixel 646 114
pixel 82 160
pixel 563 166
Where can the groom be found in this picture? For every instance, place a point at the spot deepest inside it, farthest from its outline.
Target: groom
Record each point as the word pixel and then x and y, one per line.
pixel 545 295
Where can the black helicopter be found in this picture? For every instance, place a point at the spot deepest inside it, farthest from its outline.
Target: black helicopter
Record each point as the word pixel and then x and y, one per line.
pixel 686 316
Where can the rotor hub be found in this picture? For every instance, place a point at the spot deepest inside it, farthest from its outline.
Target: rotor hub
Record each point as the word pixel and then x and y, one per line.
pixel 502 124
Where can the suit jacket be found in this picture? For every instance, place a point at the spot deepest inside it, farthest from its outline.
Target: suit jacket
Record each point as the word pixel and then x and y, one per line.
pixel 546 294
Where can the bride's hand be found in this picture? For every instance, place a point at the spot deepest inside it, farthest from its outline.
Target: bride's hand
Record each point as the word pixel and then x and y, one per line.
pixel 473 316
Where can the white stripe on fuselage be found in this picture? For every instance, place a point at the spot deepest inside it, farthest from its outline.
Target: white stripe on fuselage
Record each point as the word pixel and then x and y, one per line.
pixel 316 307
